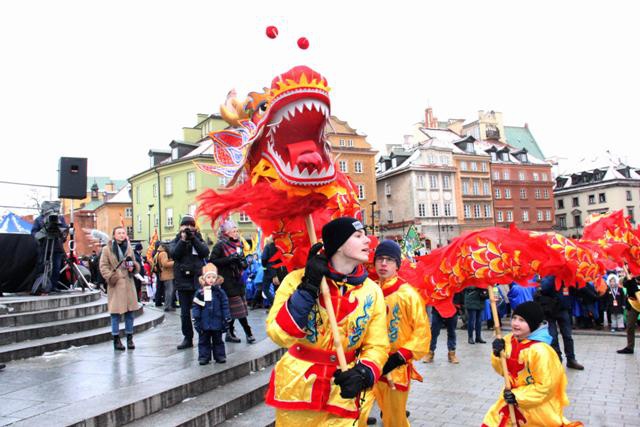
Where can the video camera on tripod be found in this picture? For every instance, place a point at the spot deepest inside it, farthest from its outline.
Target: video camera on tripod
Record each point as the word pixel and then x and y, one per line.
pixel 51 236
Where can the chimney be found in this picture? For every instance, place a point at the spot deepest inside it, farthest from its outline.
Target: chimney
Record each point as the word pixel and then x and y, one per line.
pixel 526 125
pixel 428 117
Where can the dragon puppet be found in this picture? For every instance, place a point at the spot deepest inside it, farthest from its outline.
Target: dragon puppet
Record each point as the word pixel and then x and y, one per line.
pixel 276 150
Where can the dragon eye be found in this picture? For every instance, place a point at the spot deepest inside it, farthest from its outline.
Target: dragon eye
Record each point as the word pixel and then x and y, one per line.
pixel 262 106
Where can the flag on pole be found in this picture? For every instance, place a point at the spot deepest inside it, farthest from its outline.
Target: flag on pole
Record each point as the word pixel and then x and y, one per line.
pixel 411 242
pixel 152 244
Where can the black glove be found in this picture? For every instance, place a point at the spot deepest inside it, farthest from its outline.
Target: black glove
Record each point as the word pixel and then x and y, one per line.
pixel 317 267
pixel 353 381
pixel 393 362
pixel 498 346
pixel 509 397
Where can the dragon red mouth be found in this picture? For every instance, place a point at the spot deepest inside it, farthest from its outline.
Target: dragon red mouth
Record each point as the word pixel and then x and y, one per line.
pixel 295 141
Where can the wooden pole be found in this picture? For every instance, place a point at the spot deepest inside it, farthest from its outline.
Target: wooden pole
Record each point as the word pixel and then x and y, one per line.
pixel 326 295
pixel 503 358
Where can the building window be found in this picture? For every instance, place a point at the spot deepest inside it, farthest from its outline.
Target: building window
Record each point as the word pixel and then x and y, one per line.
pixel 128 212
pixel 630 215
pixel 474 166
pixel 156 222
pixel 602 198
pixel 525 215
pixel 467 211
pixel 546 193
pixel 523 193
pixel 447 209
pixel 349 142
pixel 154 190
pixel 547 214
pixel 539 215
pixel 435 209
pixel 494 156
pixel 500 216
pixel 476 188
pixel 243 218
pixel 139 224
pixel 496 176
pixel 592 199
pixel 191 181
pixel 485 188
pixel 422 210
pixel 446 182
pixel 536 177
pixel 498 193
pixel 192 209
pixel 342 164
pixel 537 194
pixel 169 216
pixel 130 232
pixel 433 180
pixel 341 143
pixel 357 166
pixel 432 159
pixel 521 176
pixel 629 197
pixel 487 211
pixel 387 189
pixel 390 215
pixel 444 160
pixel 560 204
pixel 361 194
pixel 545 177
pixel 577 222
pixel 476 211
pixel 483 166
pixel 574 202
pixel 505 175
pixel 507 193
pixel 463 166
pixel 465 187
pixel 420 181
pixel 562 221
pixel 168 186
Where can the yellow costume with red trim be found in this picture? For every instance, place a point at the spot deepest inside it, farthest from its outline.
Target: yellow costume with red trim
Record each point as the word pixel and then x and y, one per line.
pixel 539 383
pixel 300 388
pixel 410 335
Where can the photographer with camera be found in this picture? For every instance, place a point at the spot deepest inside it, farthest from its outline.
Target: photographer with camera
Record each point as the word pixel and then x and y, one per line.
pixel 189 252
pixel 50 231
pixel 118 267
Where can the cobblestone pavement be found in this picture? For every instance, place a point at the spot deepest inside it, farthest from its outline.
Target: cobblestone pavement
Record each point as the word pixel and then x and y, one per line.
pixel 605 394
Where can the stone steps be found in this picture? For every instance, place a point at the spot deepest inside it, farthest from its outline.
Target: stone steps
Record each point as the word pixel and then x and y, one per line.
pixel 17 334
pixel 260 415
pixel 22 304
pixel 75 332
pixel 52 315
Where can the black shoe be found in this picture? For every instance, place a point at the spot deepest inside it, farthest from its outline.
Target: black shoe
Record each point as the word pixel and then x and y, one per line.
pixel 371 421
pixel 251 339
pixel 185 344
pixel 625 350
pixel 130 345
pixel 573 364
pixel 221 360
pixel 471 341
pixel 2 366
pixel 407 413
pixel 117 344
pixel 169 309
pixel 203 361
pixel 232 338
pixel 480 341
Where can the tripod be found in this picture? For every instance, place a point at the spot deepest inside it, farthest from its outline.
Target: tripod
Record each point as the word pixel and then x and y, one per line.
pixel 76 274
pixel 43 281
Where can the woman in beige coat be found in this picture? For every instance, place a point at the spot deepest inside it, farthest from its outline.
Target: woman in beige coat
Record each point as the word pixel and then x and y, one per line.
pixel 117 266
pixel 165 279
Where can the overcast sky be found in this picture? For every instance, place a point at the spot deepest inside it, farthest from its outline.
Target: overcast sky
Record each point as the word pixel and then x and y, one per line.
pixel 109 80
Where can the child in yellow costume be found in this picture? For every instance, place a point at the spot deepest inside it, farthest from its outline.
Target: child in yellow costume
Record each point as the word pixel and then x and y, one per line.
pixel 301 387
pixel 538 381
pixel 409 337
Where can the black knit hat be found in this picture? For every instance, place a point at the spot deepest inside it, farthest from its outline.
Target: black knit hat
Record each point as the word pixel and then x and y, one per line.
pixel 531 312
pixel 188 220
pixel 338 231
pixel 389 248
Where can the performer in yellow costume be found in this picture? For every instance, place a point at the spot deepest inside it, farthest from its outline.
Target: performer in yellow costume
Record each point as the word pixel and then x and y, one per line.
pixel 301 387
pixel 538 381
pixel 409 337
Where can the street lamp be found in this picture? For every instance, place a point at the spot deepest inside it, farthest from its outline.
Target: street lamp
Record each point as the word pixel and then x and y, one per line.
pixel 149 215
pixel 373 219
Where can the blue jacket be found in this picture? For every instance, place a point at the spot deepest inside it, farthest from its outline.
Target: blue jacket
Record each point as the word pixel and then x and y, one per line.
pixel 211 315
pixel 519 294
pixel 548 288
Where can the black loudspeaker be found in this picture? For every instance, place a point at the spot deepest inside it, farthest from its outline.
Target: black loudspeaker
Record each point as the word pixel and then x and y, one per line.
pixel 72 178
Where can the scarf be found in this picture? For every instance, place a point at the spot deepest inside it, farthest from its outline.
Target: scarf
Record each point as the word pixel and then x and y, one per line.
pixel 230 247
pixel 356 277
pixel 119 249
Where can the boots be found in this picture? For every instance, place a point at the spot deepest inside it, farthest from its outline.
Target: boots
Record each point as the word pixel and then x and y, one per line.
pixel 117 344
pixel 130 345
pixel 452 357
pixel 428 358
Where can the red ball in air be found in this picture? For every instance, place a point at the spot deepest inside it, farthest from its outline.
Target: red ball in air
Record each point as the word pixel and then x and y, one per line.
pixel 303 43
pixel 272 32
